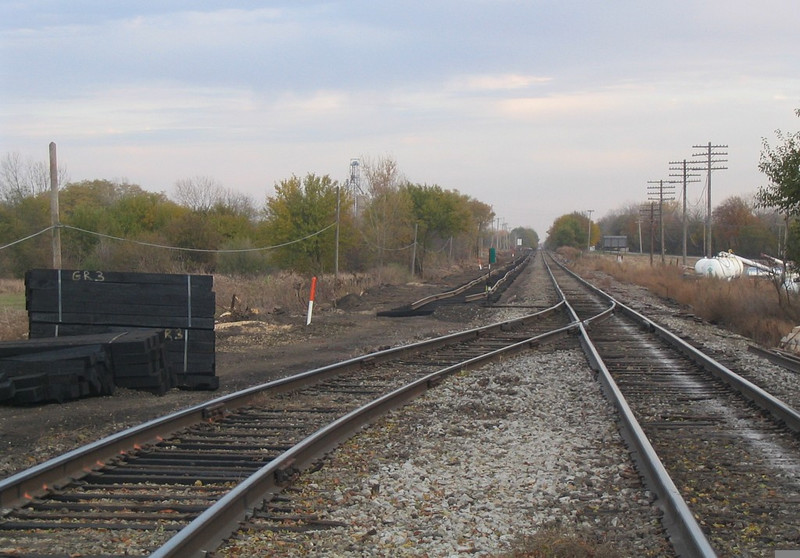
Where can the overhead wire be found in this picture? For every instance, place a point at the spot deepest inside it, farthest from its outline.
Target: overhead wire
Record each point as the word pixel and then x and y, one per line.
pixel 167 247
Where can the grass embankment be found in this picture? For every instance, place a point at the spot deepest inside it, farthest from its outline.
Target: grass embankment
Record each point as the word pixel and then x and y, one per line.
pixel 749 306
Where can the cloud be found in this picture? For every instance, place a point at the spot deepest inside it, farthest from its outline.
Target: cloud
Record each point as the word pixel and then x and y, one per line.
pixel 495 82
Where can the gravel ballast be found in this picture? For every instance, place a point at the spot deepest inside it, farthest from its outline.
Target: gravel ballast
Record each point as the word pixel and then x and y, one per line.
pixel 473 468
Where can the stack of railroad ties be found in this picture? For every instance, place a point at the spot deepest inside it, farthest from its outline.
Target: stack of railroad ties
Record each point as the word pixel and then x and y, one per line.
pixel 92 331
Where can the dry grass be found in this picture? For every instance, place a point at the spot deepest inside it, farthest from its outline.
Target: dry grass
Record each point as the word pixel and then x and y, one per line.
pixel 290 291
pixel 748 306
pixel 553 543
pixel 13 317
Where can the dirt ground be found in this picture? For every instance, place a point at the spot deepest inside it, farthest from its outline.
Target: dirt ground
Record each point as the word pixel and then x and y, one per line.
pixel 247 353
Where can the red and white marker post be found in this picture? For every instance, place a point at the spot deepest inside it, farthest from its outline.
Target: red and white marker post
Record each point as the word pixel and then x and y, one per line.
pixel 311 299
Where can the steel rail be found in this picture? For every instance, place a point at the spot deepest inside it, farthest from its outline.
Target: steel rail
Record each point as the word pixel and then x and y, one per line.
pixel 515 265
pixel 780 410
pixel 38 480
pixel 787 361
pixel 416 305
pixel 686 535
pixel 508 276
pixel 209 529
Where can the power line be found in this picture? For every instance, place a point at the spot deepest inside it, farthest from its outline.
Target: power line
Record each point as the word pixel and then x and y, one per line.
pixel 50 228
pixel 166 247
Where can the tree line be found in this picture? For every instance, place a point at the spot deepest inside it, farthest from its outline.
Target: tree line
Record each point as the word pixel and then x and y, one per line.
pixel 737 224
pixel 309 224
pixel 766 223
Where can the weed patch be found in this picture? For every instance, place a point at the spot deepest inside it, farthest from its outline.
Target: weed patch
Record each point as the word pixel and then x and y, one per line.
pixel 552 543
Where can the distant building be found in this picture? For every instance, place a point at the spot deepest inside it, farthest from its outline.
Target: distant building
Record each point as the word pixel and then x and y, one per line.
pixel 615 243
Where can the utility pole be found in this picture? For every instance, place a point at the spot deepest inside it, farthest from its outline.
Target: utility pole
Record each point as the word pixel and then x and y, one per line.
pixel 589 238
pixel 687 177
pixel 661 198
pixel 649 210
pixel 713 157
pixel 336 253
pixel 639 222
pixel 354 183
pixel 55 220
pixel 414 250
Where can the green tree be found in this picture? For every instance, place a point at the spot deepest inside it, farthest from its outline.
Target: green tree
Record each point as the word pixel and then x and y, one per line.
pixel 85 205
pixel 139 212
pixel 569 230
pixel 128 212
pixel 529 237
pixel 25 217
pixel 439 214
pixel 301 209
pixel 781 165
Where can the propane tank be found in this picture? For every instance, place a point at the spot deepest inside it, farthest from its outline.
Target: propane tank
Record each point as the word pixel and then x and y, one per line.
pixel 722 266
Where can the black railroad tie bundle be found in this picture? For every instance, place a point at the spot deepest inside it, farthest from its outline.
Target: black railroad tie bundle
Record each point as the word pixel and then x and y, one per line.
pixel 162 328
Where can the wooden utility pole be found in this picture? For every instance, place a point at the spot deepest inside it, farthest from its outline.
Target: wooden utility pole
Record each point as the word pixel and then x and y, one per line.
pixel 652 231
pixel 639 222
pixel 54 218
pixel 713 157
pixel 589 238
pixel 661 198
pixel 687 177
pixel 649 212
pixel 414 250
pixel 336 253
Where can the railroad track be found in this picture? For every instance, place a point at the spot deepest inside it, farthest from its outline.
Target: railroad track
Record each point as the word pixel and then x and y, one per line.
pixel 486 288
pixel 181 484
pixel 731 450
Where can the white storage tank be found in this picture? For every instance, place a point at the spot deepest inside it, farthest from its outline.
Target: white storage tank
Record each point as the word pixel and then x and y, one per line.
pixel 723 266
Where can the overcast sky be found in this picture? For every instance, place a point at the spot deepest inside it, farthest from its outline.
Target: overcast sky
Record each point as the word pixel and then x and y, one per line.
pixel 538 108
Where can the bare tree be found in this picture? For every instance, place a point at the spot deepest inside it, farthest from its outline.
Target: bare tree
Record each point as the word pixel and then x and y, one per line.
pixel 200 193
pixel 20 179
pixel 386 216
pixel 205 194
pixel 239 204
